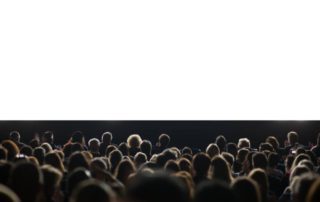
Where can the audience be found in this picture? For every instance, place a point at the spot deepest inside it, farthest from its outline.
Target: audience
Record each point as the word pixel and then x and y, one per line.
pixel 139 171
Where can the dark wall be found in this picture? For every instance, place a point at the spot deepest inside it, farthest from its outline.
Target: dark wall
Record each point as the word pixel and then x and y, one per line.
pixel 193 133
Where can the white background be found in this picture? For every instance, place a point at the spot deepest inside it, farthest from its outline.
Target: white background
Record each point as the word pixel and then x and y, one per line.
pixel 128 60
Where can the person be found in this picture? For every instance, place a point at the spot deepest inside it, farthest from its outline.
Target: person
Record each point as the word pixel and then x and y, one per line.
pixel 246 190
pixel 26 180
pixel 162 144
pixel 7 195
pixel 221 170
pixel 55 161
pixel 212 150
pixel 15 137
pixel 94 146
pixel 221 141
pixel 316 149
pixel 158 187
pixel 124 169
pixel 260 177
pixel 292 143
pixel 52 178
pixel 77 159
pixel 259 160
pixel 244 143
pixel 201 164
pixel 115 158
pixel 146 148
pixel 93 191
pixel 48 137
pixel 12 149
pixel 134 142
pixel 106 140
pixel 216 191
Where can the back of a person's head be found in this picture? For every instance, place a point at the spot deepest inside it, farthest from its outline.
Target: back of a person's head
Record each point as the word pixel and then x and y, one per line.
pixel 242 154
pixel 293 137
pixel 164 140
pixel 260 177
pixel 303 184
pixel 146 147
pixel 14 136
pixel 76 160
pixel 259 160
pixel 39 153
pixel 47 147
pixel 134 141
pixel 212 150
pixel 221 141
pixel 106 138
pixel 244 143
pixel 26 150
pixel 156 188
pixel 216 191
pixel 172 166
pixel 93 191
pixel 232 148
pixel 186 150
pixel 94 144
pixel 313 194
pixel 201 163
pixel 11 148
pixel 246 190
pixel 7 195
pixel 299 158
pixel 115 157
pixel 3 153
pixel 54 160
pixel 77 137
pixel 140 158
pixel 51 178
pixel 228 157
pixel 273 159
pixel 124 169
pixel 48 137
pixel 25 180
pixel 124 148
pixel 185 165
pixel 221 169
pixel 75 177
pixel 273 141
pixel 298 171
pixel 264 146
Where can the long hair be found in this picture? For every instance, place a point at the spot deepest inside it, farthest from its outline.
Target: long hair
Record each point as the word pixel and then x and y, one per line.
pixel 221 169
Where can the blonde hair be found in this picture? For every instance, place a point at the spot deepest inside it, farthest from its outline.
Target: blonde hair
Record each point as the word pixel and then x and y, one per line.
pixel 134 141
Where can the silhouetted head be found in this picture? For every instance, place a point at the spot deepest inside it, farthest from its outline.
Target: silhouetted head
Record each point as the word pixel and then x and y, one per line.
pixel 212 150
pixel 261 178
pixel 106 138
pixel 48 137
pixel 26 180
pixel 52 178
pixel 26 150
pixel 14 136
pixel 54 160
pixel 221 169
pixel 94 144
pixel 221 141
pixel 134 141
pixel 78 137
pixel 11 148
pixel 216 191
pixel 246 190
pixel 156 188
pixel 164 140
pixel 259 160
pixel 273 141
pixel 75 177
pixel 232 149
pixel 76 160
pixel 124 170
pixel 7 195
pixel 201 163
pixel 293 138
pixel 146 147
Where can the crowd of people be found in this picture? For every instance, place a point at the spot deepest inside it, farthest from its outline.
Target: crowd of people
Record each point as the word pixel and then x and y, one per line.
pixel 100 170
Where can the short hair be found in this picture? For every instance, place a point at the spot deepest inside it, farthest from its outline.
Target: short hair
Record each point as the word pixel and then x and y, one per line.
pixel 201 163
pixel 259 160
pixel 246 190
pixel 12 149
pixel 273 159
pixel 214 191
pixel 244 143
pixel 264 146
pixel 7 195
pixel 273 141
pixel 140 158
pixel 94 142
pixel 156 188
pixel 92 190
pixel 242 154
pixel 26 150
pixel 75 177
pixel 293 137
pixel 39 153
pixel 115 157
pixel 77 137
pixel 297 171
pixel 47 147
pixel 212 150
pixel 14 136
pixel 134 141
pixel 172 166
pixel 186 150
pixel 124 169
pixel 185 165
pixel 146 147
pixel 123 147
pixel 164 140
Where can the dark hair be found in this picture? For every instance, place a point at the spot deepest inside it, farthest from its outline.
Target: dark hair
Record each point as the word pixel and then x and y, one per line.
pixel 273 159
pixel 246 190
pixel 232 149
pixel 48 136
pixel 201 163
pixel 77 137
pixel 26 150
pixel 164 140
pixel 93 191
pixel 75 177
pixel 54 160
pixel 39 153
pixel 216 191
pixel 14 136
pixel 259 160
pixel 124 169
pixel 123 147
pixel 115 157
pixel 186 150
pixel 12 149
pixel 221 170
pixel 77 159
pixel 156 188
pixel 3 153
pixel 221 141
pixel 25 180
pixel 106 137
pixel 146 147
